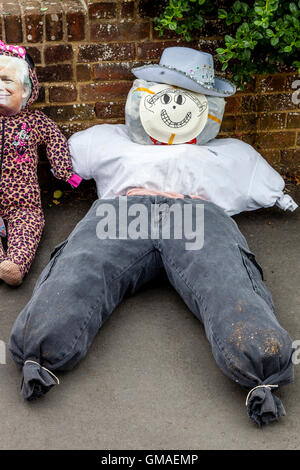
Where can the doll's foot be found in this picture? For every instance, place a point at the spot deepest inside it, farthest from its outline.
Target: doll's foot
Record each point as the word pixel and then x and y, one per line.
pixel 10 273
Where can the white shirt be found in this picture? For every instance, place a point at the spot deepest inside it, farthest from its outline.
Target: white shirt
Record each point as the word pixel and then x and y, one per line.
pixel 228 172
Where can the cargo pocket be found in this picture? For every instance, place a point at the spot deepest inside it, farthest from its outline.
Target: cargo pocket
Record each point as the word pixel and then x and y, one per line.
pixel 256 275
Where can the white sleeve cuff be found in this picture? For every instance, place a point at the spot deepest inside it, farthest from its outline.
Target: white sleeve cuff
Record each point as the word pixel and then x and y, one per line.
pixel 285 202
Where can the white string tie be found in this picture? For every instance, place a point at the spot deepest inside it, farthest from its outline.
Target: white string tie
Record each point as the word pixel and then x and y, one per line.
pixel 259 386
pixel 51 373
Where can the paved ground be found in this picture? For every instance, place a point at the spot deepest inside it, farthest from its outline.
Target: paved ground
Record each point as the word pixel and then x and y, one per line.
pixel 149 380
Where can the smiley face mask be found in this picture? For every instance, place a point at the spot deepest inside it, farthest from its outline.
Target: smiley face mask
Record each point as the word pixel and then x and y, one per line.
pixel 158 113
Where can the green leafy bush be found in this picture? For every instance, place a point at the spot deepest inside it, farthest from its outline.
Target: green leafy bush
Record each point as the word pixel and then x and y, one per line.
pixel 264 33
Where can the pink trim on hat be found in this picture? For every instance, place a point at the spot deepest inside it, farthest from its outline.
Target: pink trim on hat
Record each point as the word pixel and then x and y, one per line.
pixel 14 49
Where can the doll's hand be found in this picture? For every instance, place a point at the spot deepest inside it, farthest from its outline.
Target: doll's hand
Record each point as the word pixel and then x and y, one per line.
pixel 75 180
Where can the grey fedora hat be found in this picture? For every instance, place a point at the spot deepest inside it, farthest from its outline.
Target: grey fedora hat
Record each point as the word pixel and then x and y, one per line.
pixel 186 68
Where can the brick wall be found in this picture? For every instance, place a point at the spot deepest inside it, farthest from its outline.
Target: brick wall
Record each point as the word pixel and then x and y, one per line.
pixel 84 50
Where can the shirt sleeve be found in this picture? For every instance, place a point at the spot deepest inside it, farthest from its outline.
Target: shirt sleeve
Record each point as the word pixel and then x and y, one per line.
pixel 57 148
pixel 266 188
pixel 79 145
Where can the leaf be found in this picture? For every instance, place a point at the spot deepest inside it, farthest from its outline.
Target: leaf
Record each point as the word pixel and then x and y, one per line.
pixel 222 13
pixel 229 39
pixel 259 10
pixel 245 8
pixel 262 33
pixel 236 6
pixel 247 54
pixel 57 194
pixel 274 41
pixel 173 26
pixel 293 8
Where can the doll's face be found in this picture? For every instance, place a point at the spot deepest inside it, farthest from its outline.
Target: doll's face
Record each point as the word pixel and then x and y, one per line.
pixel 173 115
pixel 12 92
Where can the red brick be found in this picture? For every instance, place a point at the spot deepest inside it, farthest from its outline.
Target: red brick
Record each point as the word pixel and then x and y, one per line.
pixel 110 110
pixel 33 22
pixel 233 104
pixel 97 52
pixel 119 32
pixel 104 91
pixel 69 128
pixel 41 97
pixel 75 26
pixel 35 54
pixel 54 26
pixel 293 120
pixel 270 83
pixel 127 10
pixel 272 121
pixel 151 8
pixel 282 68
pixel 266 103
pixel 55 73
pixel 249 138
pixel 104 10
pixel 272 156
pixel 276 139
pixel 113 71
pixel 60 53
pixel 83 72
pixel 291 155
pixel 228 124
pixel 12 23
pixel 247 122
pixel 247 87
pixel 77 112
pixel 153 50
pixel 62 94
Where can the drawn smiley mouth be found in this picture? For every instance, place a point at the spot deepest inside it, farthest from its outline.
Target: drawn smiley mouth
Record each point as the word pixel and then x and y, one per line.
pixel 166 119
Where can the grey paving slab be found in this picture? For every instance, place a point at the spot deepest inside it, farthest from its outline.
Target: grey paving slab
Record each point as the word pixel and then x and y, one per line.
pixel 149 380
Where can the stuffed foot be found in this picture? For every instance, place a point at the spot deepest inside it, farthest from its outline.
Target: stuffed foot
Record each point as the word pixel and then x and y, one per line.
pixel 10 273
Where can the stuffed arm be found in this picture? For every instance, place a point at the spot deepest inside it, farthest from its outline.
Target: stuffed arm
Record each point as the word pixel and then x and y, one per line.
pixel 266 188
pixel 80 148
pixel 58 152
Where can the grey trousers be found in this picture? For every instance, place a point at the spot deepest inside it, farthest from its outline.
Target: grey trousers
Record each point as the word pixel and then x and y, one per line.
pixel 221 283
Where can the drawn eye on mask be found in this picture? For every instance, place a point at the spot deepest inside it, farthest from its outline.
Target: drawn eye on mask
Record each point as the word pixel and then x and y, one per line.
pixel 173 115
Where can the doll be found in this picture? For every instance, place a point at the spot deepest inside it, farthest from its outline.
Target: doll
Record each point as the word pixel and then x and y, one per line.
pixel 165 162
pixel 22 131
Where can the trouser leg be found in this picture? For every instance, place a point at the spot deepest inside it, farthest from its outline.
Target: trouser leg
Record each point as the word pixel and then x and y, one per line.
pixel 82 284
pixel 222 285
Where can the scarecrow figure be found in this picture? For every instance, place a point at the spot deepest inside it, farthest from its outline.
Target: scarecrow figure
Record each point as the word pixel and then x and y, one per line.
pixel 166 157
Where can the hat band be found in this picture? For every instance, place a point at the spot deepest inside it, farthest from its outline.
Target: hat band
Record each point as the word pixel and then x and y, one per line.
pixel 208 83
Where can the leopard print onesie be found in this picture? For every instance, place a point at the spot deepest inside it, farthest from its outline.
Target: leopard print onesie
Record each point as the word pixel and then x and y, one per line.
pixel 20 200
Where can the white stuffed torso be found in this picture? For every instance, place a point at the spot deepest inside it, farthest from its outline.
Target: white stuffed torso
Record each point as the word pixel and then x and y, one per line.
pixel 228 172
